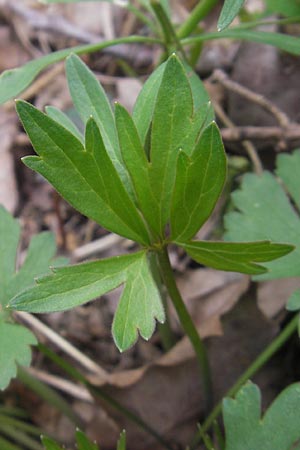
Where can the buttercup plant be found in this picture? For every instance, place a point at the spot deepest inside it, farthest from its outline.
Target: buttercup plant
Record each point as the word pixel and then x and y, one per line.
pixel 153 178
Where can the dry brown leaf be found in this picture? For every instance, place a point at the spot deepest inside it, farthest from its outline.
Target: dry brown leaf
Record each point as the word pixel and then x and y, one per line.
pixel 209 293
pixel 272 295
pixel 167 394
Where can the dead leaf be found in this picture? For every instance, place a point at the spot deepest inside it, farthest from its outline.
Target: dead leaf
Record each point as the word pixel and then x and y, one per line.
pixel 272 295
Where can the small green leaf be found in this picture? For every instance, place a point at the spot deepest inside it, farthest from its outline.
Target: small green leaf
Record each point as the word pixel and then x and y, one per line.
pixel 172 117
pixel 144 106
pixel 293 303
pixel 233 256
pixel 40 252
pixel 279 428
pixel 9 228
pixel 229 11
pixel 15 339
pixel 83 443
pixel 122 441
pixel 258 219
pixel 137 165
pixel 198 184
pixel 288 169
pixel 110 185
pixel 49 444
pixel 90 100
pixel 60 117
pixel 15 349
pixel 139 305
pixel 73 172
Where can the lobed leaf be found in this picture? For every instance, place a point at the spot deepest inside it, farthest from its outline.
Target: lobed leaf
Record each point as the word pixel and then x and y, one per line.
pixel 288 169
pixel 15 349
pixel 145 103
pixel 198 184
pixel 137 165
pixel 256 219
pixel 279 429
pixel 90 100
pixel 233 256
pixel 171 121
pixel 64 162
pixel 72 286
pixel 60 117
pixel 229 11
pixel 10 229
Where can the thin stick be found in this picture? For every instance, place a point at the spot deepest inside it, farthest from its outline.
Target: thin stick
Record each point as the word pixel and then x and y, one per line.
pixel 72 389
pixel 248 146
pixel 222 78
pixel 61 343
pixel 97 246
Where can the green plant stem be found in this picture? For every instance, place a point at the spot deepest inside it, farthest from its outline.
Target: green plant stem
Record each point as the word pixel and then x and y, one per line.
pixel 187 324
pixel 97 391
pixel 257 364
pixel 199 12
pixel 172 42
pixel 141 16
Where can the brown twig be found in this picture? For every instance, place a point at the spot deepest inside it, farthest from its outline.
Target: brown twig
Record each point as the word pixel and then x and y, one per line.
pixel 291 133
pixel 248 146
pixel 222 78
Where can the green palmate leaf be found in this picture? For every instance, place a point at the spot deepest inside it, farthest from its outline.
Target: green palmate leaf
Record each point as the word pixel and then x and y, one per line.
pixel 279 428
pixel 257 218
pixel 229 11
pixel 75 173
pixel 10 229
pixel 90 99
pixel 171 121
pixel 64 120
pixel 83 443
pixel 288 169
pixel 293 303
pixel 15 340
pixel 144 106
pixel 233 256
pixel 137 165
pixel 15 343
pixel 198 184
pixel 72 286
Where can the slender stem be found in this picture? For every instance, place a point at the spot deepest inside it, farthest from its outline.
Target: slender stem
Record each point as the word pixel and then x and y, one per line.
pixel 187 324
pixel 97 391
pixel 48 394
pixel 141 16
pixel 257 364
pixel 172 42
pixel 199 12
